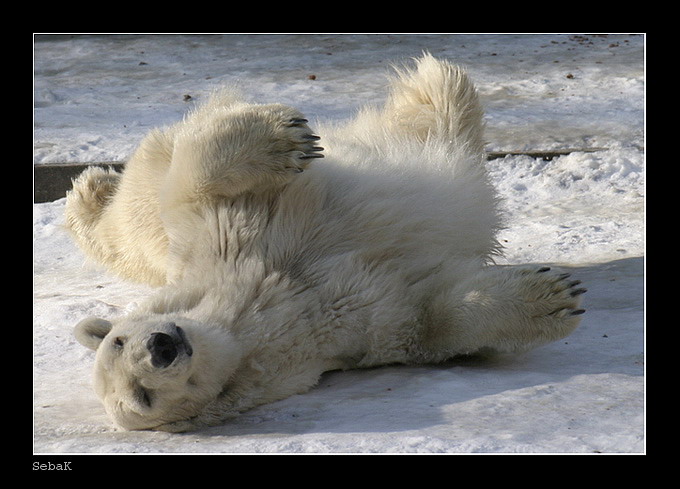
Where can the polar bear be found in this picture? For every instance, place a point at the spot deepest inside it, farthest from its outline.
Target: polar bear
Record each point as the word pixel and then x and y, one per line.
pixel 274 266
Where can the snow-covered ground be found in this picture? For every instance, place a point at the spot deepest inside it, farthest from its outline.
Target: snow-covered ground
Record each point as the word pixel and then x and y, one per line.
pixel 96 96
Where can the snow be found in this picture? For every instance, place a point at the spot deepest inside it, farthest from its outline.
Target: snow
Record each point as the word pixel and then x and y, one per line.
pixel 96 96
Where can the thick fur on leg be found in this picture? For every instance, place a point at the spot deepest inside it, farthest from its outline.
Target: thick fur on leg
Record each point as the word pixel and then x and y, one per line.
pixel 437 100
pixel 223 151
pixel 506 309
pixel 86 204
pixel 115 218
pixel 431 102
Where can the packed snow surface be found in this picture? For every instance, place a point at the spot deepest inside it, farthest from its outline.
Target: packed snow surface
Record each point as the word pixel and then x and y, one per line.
pixel 96 96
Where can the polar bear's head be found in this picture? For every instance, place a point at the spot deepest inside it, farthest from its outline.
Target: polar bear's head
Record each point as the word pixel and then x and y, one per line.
pixel 158 370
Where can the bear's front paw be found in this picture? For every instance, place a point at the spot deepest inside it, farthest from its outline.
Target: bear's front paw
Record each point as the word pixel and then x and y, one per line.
pixel 247 149
pixel 554 294
pixel 548 305
pixel 535 305
pixel 302 145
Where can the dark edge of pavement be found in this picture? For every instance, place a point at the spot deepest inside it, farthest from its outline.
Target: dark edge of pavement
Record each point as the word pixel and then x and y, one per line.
pixel 51 181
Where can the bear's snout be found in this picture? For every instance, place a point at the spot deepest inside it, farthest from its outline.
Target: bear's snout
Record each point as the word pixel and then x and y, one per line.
pixel 165 347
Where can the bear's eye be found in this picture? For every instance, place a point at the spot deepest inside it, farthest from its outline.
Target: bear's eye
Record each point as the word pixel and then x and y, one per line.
pixel 118 341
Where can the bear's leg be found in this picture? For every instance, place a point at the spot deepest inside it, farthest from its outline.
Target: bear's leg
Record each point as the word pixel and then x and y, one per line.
pixel 238 150
pixel 85 205
pixel 436 99
pixel 506 309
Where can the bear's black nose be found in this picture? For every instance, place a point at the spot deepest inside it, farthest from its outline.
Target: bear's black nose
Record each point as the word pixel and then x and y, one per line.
pixel 162 348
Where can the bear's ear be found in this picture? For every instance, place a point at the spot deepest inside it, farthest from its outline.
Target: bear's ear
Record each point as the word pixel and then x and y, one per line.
pixel 91 331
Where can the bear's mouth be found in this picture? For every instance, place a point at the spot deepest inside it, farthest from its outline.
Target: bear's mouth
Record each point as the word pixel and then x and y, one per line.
pixel 143 397
pixel 184 341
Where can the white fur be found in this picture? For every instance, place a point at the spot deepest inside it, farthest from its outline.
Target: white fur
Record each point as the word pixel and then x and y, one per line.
pixel 277 270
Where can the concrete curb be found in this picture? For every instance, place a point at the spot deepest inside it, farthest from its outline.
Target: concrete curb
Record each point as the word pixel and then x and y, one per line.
pixel 51 181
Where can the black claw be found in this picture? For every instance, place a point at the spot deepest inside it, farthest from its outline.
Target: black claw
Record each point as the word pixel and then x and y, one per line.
pixel 310 156
pixel 562 276
pixel 311 137
pixel 576 292
pixel 317 148
pixel 575 282
pixel 577 312
pixel 543 269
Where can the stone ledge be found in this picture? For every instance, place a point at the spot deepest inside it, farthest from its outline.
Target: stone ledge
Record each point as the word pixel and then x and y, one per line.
pixel 52 181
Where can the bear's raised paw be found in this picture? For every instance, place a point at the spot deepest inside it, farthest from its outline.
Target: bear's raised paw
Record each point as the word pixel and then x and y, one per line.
pixel 304 145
